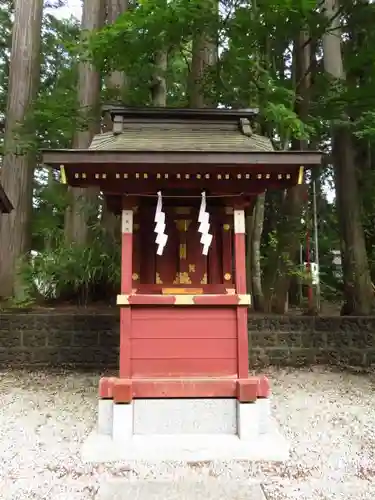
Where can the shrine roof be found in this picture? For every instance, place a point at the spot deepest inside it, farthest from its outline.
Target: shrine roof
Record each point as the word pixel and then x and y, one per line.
pixel 187 137
pixel 5 205
pixel 182 114
pixel 184 130
pixel 158 137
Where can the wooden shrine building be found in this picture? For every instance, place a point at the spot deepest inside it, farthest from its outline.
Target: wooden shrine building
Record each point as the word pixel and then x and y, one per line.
pixel 183 181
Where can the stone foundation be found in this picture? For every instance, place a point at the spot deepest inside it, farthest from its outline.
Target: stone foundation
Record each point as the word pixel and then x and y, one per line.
pixel 185 429
pixel 189 428
pixel 183 416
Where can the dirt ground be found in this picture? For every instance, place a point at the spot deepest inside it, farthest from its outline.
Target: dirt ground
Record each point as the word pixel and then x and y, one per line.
pixel 329 418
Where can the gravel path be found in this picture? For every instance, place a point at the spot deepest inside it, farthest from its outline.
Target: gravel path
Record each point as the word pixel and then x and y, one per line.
pixel 329 417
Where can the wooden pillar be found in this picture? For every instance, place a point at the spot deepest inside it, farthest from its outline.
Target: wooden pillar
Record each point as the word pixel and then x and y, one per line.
pixel 214 255
pixel 240 270
pixel 126 288
pixel 136 251
pixel 148 248
pixel 227 250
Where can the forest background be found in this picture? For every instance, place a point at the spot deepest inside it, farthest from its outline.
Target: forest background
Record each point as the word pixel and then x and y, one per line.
pixel 308 66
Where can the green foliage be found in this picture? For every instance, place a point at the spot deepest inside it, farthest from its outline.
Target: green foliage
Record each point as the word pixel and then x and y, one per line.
pixel 56 113
pixel 254 69
pixel 57 271
pixel 6 9
pixel 130 43
pixel 285 122
pixel 74 273
pixel 245 75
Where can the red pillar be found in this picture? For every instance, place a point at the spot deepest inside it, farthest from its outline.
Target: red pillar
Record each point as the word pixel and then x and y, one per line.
pixel 126 289
pixel 240 270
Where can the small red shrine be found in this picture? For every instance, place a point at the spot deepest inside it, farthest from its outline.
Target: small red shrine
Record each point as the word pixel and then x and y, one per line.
pixel 183 181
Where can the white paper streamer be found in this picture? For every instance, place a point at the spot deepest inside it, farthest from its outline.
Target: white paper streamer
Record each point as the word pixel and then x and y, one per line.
pixel 161 237
pixel 202 210
pixel 204 226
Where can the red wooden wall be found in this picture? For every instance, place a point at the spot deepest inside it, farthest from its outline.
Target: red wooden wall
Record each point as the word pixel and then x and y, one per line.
pixel 183 341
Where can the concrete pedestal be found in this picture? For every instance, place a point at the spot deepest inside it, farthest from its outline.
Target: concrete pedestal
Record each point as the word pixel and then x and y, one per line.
pixel 186 429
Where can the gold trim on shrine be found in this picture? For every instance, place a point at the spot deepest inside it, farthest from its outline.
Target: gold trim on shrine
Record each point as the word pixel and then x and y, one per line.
pixel 300 175
pixel 62 175
pixel 184 299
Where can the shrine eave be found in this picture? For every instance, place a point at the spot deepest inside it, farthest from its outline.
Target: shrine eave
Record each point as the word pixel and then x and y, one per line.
pixel 185 114
pixel 5 205
pixel 56 158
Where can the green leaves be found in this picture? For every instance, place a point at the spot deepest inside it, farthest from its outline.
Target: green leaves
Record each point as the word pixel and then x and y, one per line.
pixel 73 272
pixel 255 68
pixel 285 121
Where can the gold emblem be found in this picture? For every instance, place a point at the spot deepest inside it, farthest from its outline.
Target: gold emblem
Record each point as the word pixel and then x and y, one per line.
pixel 227 276
pixel 183 251
pixel 182 279
pixel 204 279
pixel 135 277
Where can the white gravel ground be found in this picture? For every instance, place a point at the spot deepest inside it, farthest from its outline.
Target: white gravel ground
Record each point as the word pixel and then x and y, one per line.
pixel 328 417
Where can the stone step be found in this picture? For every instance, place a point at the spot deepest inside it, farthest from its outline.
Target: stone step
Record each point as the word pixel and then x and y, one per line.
pixel 187 489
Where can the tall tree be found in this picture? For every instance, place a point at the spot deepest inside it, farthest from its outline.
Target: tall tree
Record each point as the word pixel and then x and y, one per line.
pixel 254 230
pixel 204 56
pixel 254 70
pixel 116 81
pixel 19 154
pixel 289 225
pixel 358 293
pixel 255 220
pixel 116 84
pixel 89 85
pixel 159 84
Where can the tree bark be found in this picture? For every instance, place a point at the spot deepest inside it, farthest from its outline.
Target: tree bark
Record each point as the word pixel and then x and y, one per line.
pixel 204 55
pixel 117 83
pixel 89 84
pixel 117 79
pixel 255 255
pixel 358 293
pixel 159 84
pixel 18 161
